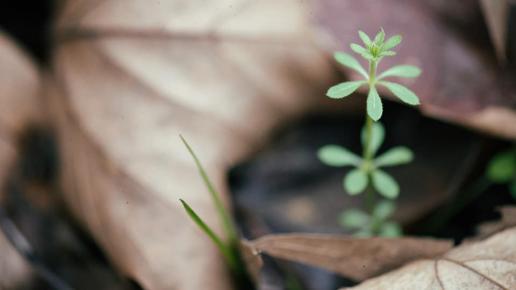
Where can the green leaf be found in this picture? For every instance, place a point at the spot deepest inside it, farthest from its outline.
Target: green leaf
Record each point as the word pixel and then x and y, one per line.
pixel 344 89
pixel 363 233
pixel 350 62
pixel 402 93
pixel 354 218
pixel 380 37
pixel 502 168
pixel 512 189
pixel 401 71
pixel 227 222
pixel 391 230
pixel 392 42
pixel 365 38
pixel 368 56
pixel 383 210
pixel 388 53
pixel 378 135
pixel 337 156
pixel 223 248
pixel 355 181
pixel 358 49
pixel 385 184
pixel 395 156
pixel 374 104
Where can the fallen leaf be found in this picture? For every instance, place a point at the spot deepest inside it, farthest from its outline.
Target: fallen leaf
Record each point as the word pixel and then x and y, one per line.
pixel 508 220
pixel 19 87
pixel 356 258
pixel 252 260
pixel 489 264
pixel 496 14
pixel 130 76
pixel 461 80
pixel 16 272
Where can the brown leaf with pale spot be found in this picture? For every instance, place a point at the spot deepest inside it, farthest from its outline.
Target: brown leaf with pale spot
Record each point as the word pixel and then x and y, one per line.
pixel 489 264
pixel 130 76
pixel 356 258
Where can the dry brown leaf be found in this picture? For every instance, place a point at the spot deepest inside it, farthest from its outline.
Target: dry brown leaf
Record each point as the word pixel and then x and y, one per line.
pixel 129 76
pixel 14 269
pixel 496 14
pixel 356 258
pixel 461 80
pixel 19 87
pixel 489 264
pixel 508 220
pixel 252 260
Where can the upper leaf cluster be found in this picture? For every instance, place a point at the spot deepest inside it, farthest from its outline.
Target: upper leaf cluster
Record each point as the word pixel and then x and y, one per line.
pixel 374 51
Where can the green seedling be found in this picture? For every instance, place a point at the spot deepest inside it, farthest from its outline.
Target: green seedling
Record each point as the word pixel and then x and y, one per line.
pixel 367 174
pixel 502 170
pixel 229 246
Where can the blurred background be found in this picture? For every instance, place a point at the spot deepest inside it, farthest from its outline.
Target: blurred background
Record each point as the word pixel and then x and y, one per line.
pixel 93 96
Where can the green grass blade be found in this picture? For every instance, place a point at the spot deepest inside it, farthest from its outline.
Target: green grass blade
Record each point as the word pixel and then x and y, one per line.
pixel 223 248
pixel 227 222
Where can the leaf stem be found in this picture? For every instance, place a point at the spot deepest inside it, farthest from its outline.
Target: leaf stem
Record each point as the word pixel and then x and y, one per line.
pixel 368 152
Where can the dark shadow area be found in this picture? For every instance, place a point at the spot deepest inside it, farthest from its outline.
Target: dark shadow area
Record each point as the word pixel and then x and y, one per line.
pixel 285 188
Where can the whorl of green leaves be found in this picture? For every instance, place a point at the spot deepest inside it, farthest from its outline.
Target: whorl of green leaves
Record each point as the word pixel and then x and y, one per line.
pixel 356 181
pixel 373 51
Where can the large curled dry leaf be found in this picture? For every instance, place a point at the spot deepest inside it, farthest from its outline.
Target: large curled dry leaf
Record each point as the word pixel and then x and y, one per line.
pixel 489 264
pixel 130 76
pixel 461 80
pixel 19 87
pixel 356 258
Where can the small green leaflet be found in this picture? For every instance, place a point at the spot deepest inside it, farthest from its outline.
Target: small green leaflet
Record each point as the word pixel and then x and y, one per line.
pixel 391 230
pixel 401 71
pixel 384 210
pixel 344 89
pixel 388 53
pixel 350 62
pixel 379 38
pixel 374 104
pixel 392 42
pixel 358 49
pixel 354 218
pixel 401 92
pixel 378 135
pixel 395 156
pixel 337 156
pixel 385 184
pixel 502 168
pixel 363 233
pixel 355 181
pixel 365 38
